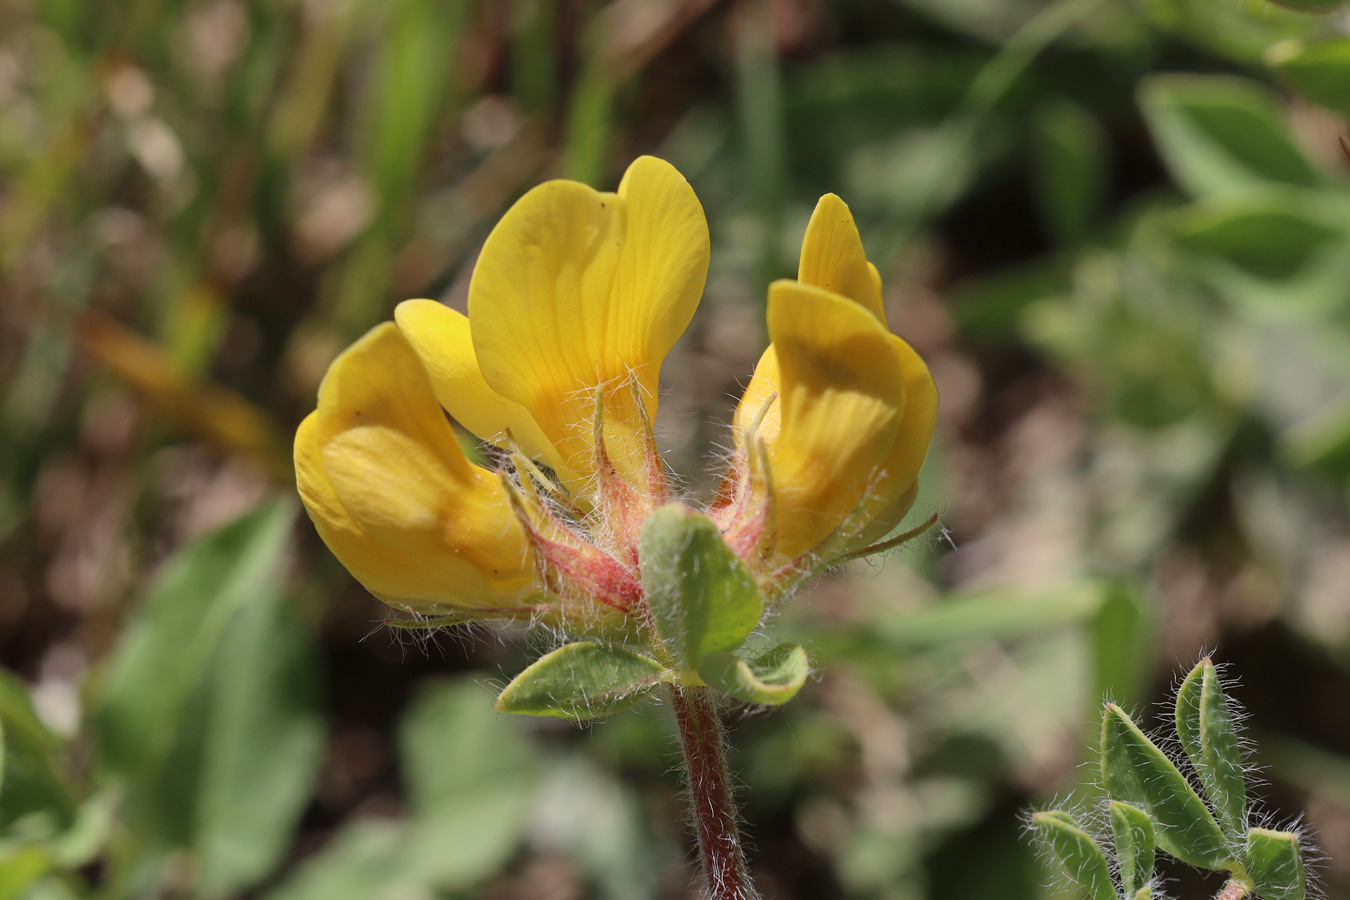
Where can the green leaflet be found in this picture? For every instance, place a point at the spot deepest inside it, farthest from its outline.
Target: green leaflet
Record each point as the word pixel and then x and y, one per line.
pixel 209 710
pixel 1310 6
pixel 1135 771
pixel 1216 133
pixel 1319 71
pixel 1070 155
pixel 701 596
pixel 580 681
pixel 1205 726
pixel 1132 833
pixel 774 677
pixel 1077 852
pixel 1275 863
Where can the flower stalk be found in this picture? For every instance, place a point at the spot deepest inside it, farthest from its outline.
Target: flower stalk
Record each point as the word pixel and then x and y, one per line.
pixel 711 799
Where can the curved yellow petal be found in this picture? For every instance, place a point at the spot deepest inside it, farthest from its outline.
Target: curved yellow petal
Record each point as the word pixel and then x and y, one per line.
pixel 754 410
pixel 392 494
pixel 841 392
pixel 896 492
pixel 578 290
pixel 441 337
pixel 663 265
pixel 833 257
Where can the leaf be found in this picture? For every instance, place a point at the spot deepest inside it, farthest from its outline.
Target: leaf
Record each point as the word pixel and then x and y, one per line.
pixel 264 742
pixel 580 681
pixel 1083 861
pixel 209 713
pixel 772 678
pixel 471 778
pixel 1217 133
pixel 36 785
pixel 702 597
pixel 993 614
pixel 1070 156
pixel 1319 72
pixel 21 866
pixel 1274 861
pixel 1275 251
pixel 1135 771
pixel 1310 6
pixel 1132 832
pixel 1123 641
pixel 1205 727
pixel 452 743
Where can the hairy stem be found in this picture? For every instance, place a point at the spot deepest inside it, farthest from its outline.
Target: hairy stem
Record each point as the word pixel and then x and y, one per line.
pixel 1233 890
pixel 710 795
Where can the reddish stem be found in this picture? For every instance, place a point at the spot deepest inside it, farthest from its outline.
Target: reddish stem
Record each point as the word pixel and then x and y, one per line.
pixel 1233 890
pixel 710 795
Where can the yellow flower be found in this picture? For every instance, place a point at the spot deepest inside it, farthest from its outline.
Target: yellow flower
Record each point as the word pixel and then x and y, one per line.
pixel 575 300
pixel 393 495
pixel 836 422
pixel 574 303
pixel 577 294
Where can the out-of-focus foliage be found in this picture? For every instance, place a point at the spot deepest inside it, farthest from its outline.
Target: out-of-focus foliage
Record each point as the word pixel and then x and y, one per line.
pixel 1118 232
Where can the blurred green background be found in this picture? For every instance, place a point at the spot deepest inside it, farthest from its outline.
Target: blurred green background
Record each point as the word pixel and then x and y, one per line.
pixel 1118 231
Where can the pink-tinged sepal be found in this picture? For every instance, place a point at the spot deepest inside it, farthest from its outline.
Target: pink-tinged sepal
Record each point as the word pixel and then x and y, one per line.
pixel 622 505
pixel 568 564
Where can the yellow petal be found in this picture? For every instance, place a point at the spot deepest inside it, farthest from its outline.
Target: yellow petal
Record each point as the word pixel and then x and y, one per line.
pixel 441 337
pixel 755 409
pixel 841 391
pixel 895 494
pixel 833 257
pixel 576 290
pixel 392 494
pixel 663 266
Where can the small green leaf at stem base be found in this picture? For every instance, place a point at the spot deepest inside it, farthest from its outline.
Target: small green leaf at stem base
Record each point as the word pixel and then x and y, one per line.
pixel 1132 832
pixel 702 597
pixel 1083 861
pixel 1205 727
pixel 580 681
pixel 1274 862
pixel 1135 771
pixel 772 678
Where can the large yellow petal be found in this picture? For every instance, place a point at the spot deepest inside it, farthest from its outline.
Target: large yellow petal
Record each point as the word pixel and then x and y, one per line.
pixel 833 257
pixel 841 391
pixel 392 494
pixel 578 290
pixel 441 337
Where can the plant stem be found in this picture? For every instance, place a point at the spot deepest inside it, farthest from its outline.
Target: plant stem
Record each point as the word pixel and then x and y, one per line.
pixel 710 795
pixel 1233 890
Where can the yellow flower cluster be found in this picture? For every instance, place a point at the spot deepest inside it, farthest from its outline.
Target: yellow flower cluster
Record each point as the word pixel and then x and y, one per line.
pixel 575 301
